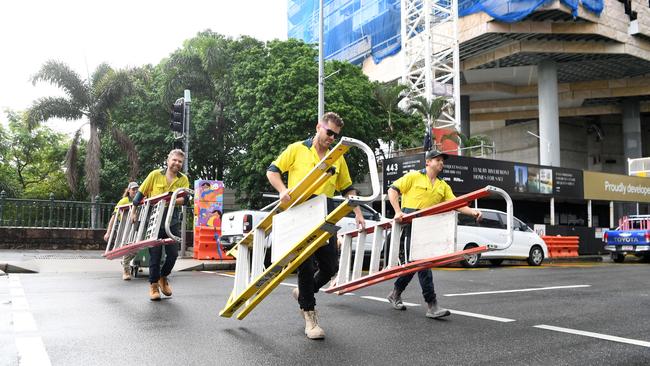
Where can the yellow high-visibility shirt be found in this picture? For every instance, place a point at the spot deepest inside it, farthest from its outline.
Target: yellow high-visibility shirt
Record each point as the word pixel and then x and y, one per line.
pixel 156 183
pixel 301 157
pixel 121 202
pixel 418 192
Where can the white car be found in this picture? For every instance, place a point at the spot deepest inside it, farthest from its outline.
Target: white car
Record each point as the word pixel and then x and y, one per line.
pixel 491 229
pixel 236 224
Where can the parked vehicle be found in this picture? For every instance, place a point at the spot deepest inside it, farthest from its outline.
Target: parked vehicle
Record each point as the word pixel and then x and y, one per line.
pixel 491 229
pixel 237 223
pixel 632 236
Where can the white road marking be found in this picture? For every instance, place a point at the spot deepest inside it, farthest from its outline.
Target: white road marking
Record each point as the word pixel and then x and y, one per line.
pixel 518 290
pixel 31 351
pixel 594 335
pixel 19 303
pixel 17 292
pixel 481 316
pixel 282 283
pixel 374 298
pixel 24 321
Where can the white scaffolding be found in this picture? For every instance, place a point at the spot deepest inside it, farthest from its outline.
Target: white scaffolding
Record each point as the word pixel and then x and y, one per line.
pixel 430 50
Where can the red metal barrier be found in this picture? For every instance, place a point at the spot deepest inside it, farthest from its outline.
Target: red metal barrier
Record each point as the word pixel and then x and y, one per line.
pixel 562 246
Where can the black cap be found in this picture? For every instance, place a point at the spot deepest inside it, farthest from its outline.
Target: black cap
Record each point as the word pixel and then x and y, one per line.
pixel 435 153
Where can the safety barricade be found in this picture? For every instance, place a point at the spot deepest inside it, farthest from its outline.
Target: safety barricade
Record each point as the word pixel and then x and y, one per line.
pixel 562 246
pixel 128 236
pixel 433 244
pixel 207 244
pixel 298 227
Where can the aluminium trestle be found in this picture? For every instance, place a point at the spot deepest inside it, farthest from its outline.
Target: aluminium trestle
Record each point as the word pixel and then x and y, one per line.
pixel 128 236
pixel 350 276
pixel 253 282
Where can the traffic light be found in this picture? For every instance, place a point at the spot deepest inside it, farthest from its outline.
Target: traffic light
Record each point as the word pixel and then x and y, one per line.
pixel 177 124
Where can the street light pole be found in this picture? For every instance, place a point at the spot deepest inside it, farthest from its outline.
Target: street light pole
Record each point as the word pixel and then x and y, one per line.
pixel 548 146
pixel 321 77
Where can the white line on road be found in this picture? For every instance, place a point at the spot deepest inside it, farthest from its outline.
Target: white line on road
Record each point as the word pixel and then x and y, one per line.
pixel 518 290
pixel 481 316
pixel 410 304
pixel 24 322
pixel 31 351
pixel 282 283
pixel 594 335
pixel 19 303
pixel 386 300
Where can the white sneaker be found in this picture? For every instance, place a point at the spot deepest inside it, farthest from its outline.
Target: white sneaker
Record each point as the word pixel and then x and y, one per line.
pixel 434 311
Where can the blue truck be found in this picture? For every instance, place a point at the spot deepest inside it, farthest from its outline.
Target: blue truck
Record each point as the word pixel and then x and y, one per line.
pixel 632 236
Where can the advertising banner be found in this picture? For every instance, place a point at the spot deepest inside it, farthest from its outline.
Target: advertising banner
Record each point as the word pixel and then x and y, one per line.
pixel 466 174
pixel 616 187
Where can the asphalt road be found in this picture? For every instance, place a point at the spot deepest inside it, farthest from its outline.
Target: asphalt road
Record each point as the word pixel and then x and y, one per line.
pixel 564 314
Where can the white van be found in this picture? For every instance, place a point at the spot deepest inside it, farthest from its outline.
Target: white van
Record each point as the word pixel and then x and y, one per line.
pixel 526 244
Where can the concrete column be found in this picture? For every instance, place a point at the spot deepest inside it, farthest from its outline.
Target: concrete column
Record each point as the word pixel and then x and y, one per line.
pixel 631 130
pixel 589 214
pixel 549 116
pixel 552 210
pixel 464 115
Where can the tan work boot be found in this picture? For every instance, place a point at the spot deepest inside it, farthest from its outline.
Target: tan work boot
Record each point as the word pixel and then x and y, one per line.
pixel 295 293
pixel 312 330
pixel 154 292
pixel 126 274
pixel 165 288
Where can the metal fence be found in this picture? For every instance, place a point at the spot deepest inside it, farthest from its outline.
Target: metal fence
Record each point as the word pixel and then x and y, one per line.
pixel 20 212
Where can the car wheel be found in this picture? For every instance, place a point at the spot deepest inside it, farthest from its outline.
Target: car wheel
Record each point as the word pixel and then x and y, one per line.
pixel 471 260
pixel 496 262
pixel 618 257
pixel 536 256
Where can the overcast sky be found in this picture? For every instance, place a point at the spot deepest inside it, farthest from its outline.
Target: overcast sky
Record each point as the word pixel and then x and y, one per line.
pixel 83 34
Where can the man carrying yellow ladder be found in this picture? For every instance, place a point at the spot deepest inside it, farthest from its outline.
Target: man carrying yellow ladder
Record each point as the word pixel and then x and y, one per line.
pixel 298 159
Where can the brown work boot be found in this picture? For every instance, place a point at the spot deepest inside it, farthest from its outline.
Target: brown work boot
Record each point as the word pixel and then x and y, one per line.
pixel 165 288
pixel 126 274
pixel 154 292
pixel 312 329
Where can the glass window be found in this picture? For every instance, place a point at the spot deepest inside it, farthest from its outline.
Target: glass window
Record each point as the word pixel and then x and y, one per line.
pixel 491 220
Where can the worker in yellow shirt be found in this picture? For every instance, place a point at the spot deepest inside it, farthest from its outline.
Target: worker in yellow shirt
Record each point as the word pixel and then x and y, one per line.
pixel 298 159
pixel 127 197
pixel 419 190
pixel 161 181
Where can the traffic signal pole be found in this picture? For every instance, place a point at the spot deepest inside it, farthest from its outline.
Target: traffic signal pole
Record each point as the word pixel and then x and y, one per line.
pixel 188 100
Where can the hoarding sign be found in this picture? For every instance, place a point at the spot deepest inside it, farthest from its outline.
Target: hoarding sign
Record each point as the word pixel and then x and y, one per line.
pixel 616 187
pixel 465 174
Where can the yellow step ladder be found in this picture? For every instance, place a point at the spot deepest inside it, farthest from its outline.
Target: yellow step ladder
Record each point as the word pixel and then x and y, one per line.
pixel 252 281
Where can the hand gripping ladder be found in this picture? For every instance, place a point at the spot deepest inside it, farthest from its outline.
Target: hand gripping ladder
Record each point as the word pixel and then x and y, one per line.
pixel 252 281
pixel 128 237
pixel 350 279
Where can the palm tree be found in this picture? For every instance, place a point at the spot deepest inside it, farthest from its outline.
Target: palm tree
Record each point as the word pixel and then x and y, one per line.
pixel 92 99
pixel 389 95
pixel 430 112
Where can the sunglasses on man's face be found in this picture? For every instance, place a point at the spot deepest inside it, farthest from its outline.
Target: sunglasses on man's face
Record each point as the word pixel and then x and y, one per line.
pixel 330 132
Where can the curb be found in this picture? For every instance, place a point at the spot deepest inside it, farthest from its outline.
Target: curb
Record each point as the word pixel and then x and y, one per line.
pixel 581 258
pixel 7 268
pixel 217 266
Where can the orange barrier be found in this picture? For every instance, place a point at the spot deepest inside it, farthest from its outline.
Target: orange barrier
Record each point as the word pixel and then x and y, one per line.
pixel 205 244
pixel 562 246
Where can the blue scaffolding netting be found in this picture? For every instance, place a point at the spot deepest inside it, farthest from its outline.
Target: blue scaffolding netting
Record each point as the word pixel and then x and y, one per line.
pixel 355 29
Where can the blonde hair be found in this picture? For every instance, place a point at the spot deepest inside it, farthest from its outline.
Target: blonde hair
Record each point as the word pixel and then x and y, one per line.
pixel 178 152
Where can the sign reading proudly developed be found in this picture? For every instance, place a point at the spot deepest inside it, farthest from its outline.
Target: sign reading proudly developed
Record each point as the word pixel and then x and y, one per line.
pixel 616 187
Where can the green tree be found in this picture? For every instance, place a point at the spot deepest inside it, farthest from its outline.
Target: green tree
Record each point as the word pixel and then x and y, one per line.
pixel 93 99
pixel 35 158
pixel 204 65
pixel 430 111
pixel 276 101
pixel 389 95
